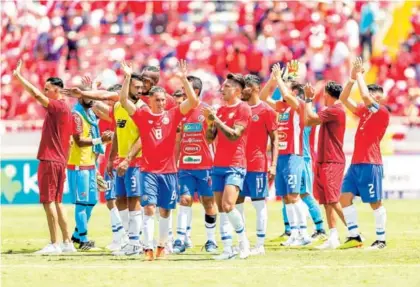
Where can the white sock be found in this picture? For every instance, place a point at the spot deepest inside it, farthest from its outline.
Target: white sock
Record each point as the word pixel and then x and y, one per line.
pixel 170 233
pixel 163 231
pixel 189 222
pixel 235 219
pixel 292 217
pixel 134 227
pixel 157 214
pixel 261 209
pixel 181 229
pixel 149 230
pixel 240 208
pixel 116 224
pixel 225 231
pixel 334 233
pixel 210 223
pixel 302 222
pixel 350 215
pixel 124 218
pixel 380 222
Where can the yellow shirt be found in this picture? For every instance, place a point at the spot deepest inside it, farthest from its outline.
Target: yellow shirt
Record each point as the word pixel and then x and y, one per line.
pixel 126 131
pixel 81 156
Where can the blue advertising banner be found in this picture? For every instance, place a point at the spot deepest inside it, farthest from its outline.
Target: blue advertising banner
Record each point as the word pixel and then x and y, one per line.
pixel 19 182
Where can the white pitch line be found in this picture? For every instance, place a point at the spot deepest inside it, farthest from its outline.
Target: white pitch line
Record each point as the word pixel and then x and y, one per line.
pixel 224 267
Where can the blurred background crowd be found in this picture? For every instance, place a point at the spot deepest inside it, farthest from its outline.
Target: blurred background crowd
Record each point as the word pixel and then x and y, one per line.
pixel 77 38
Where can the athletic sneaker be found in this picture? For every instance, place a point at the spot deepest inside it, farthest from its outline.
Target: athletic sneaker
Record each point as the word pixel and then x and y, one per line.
pixel 188 242
pixel 68 247
pixel 75 240
pixel 128 250
pixel 114 246
pixel 319 235
pixel 179 247
pixel 352 242
pixel 226 254
pixel 50 249
pixel 244 251
pixel 88 246
pixel 258 250
pixel 168 247
pixel 300 241
pixel 378 244
pixel 289 241
pixel 331 243
pixel 210 246
pixel 281 238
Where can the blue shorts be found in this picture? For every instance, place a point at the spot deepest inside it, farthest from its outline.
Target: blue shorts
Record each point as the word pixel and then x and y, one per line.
pixel 255 185
pixel 364 180
pixel 82 186
pixel 128 185
pixel 307 183
pixel 222 176
pixel 191 181
pixel 159 189
pixel 110 192
pixel 288 174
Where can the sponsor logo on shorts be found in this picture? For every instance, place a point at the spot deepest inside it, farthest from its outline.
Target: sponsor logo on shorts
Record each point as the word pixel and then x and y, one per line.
pixel 282 145
pixel 255 118
pixel 192 159
pixel 284 117
pixel 193 127
pixel 192 148
pixel 282 136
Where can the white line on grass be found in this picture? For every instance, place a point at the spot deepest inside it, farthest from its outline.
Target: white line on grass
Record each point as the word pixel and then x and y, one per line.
pixel 224 267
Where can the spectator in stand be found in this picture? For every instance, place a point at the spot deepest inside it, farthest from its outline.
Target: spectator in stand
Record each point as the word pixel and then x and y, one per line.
pixel 367 27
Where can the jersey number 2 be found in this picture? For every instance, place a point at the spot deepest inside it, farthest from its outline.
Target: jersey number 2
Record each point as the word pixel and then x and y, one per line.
pixel 371 191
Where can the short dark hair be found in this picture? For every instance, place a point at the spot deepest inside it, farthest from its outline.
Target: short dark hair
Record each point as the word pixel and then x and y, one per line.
pixel 136 77
pixel 178 94
pixel 157 89
pixel 237 78
pixel 251 79
pixel 114 88
pixel 151 69
pixel 56 82
pixel 374 88
pixel 196 82
pixel 333 89
pixel 295 86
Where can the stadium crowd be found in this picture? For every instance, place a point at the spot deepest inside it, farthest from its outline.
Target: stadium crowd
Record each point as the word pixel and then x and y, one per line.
pixel 216 37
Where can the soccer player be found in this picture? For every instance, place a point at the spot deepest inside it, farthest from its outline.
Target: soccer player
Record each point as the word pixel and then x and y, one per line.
pixel 179 97
pixel 330 160
pixel 81 168
pixel 157 129
pixel 230 124
pixel 52 156
pixel 290 161
pixel 364 177
pixel 195 163
pixel 263 126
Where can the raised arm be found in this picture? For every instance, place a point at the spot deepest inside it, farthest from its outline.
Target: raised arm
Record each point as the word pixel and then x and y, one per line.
pixel 97 95
pixel 129 106
pixel 345 94
pixel 311 118
pixel 31 89
pixel 265 92
pixel 87 141
pixel 285 92
pixel 368 100
pixel 274 143
pixel 102 111
pixel 192 100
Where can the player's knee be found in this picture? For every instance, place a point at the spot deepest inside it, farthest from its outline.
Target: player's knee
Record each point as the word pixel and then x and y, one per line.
pixel 149 210
pixel 376 205
pixel 110 204
pixel 208 204
pixel 164 212
pixel 185 200
pixel 240 200
pixel 134 203
pixel 121 203
pixel 346 199
pixel 227 206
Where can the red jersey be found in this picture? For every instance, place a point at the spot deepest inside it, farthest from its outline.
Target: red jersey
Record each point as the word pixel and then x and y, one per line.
pixel 158 137
pixel 290 128
pixel 263 121
pixel 170 101
pixel 331 134
pixel 371 129
pixel 195 151
pixel 232 153
pixel 56 132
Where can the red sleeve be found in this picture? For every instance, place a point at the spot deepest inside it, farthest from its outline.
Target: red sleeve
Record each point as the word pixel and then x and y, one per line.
pixel 271 120
pixel 281 105
pixel 176 115
pixel 139 113
pixel 360 110
pixel 55 106
pixel 328 114
pixel 170 102
pixel 77 124
pixel 243 115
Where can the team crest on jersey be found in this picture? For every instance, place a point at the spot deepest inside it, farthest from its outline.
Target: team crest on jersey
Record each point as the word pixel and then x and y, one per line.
pixel 284 117
pixel 193 127
pixel 231 115
pixel 255 118
pixel 150 122
pixel 165 120
pixel 201 118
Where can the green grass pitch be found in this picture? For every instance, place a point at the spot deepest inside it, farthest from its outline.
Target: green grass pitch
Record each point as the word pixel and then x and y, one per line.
pixel 24 230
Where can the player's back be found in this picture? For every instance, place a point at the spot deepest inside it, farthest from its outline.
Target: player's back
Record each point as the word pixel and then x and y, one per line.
pixel 370 131
pixel 195 151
